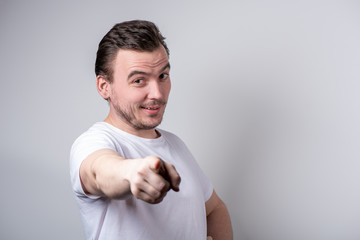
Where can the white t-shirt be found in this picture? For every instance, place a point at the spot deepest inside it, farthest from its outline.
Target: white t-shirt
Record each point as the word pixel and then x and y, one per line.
pixel 181 215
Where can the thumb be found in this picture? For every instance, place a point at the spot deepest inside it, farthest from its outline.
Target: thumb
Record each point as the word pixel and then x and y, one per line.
pixel 209 238
pixel 154 163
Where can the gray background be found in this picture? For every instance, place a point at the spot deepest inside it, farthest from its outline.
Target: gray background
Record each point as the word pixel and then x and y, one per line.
pixel 265 94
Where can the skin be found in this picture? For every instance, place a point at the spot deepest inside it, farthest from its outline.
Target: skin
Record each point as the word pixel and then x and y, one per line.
pixel 137 98
pixel 141 79
pixel 218 219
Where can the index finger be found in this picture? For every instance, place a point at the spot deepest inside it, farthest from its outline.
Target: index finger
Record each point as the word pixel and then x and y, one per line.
pixel 172 176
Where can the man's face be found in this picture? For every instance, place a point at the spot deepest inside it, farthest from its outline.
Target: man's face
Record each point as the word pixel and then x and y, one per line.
pixel 140 88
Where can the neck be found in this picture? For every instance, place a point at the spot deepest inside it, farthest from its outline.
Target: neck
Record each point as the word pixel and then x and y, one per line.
pixel 144 133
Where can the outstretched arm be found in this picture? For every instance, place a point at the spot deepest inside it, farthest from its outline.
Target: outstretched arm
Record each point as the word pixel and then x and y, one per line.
pixel 106 173
pixel 218 219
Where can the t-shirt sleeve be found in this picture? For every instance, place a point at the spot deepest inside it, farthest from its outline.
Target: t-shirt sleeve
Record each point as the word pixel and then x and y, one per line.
pixel 203 180
pixel 205 184
pixel 83 146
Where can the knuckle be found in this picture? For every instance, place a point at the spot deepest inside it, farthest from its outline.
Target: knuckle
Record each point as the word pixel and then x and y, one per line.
pixel 161 185
pixel 152 201
pixel 154 193
pixel 137 185
pixel 158 195
pixel 152 158
pixel 141 171
pixel 166 187
pixel 136 192
pixel 161 197
pixel 148 199
pixel 137 182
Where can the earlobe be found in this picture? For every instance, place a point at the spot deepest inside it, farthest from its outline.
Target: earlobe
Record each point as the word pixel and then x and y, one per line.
pixel 103 87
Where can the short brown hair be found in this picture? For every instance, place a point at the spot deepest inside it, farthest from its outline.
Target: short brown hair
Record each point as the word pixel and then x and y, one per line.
pixel 136 35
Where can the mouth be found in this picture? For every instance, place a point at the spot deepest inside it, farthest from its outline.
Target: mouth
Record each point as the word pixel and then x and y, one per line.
pixel 151 108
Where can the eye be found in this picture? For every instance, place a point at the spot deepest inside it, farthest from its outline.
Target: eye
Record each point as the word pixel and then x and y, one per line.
pixel 139 81
pixel 163 76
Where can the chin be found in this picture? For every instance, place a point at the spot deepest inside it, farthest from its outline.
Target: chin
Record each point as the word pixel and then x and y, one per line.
pixel 147 125
pixel 152 125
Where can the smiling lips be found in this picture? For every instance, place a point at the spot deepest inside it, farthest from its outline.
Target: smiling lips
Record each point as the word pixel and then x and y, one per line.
pixel 152 109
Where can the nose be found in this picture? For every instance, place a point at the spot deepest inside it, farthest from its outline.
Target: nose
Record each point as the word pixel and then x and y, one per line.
pixel 155 91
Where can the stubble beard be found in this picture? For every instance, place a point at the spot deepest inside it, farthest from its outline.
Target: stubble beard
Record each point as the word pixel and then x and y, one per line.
pixel 130 118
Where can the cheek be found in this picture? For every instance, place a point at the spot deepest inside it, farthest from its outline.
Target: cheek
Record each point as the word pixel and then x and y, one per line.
pixel 167 89
pixel 128 96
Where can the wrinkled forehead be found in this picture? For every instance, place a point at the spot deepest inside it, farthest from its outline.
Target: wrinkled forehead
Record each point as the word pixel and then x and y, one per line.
pixel 131 60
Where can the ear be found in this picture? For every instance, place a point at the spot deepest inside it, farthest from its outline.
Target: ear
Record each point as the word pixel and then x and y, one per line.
pixel 103 87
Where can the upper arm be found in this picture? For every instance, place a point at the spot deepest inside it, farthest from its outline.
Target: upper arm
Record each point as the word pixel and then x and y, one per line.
pixel 218 219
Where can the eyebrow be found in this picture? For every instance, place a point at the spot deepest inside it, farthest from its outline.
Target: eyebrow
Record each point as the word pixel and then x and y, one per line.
pixel 135 72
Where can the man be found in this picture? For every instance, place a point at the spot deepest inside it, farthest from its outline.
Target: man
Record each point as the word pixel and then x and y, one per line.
pixel 123 169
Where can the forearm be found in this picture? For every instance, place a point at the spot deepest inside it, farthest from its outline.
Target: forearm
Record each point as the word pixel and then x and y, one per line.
pixel 106 173
pixel 103 173
pixel 219 224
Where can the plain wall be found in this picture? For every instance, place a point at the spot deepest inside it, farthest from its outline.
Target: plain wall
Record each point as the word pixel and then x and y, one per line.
pixel 265 94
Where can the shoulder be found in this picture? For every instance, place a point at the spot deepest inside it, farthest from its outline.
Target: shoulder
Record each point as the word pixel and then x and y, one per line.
pixel 97 134
pixel 97 137
pixel 99 129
